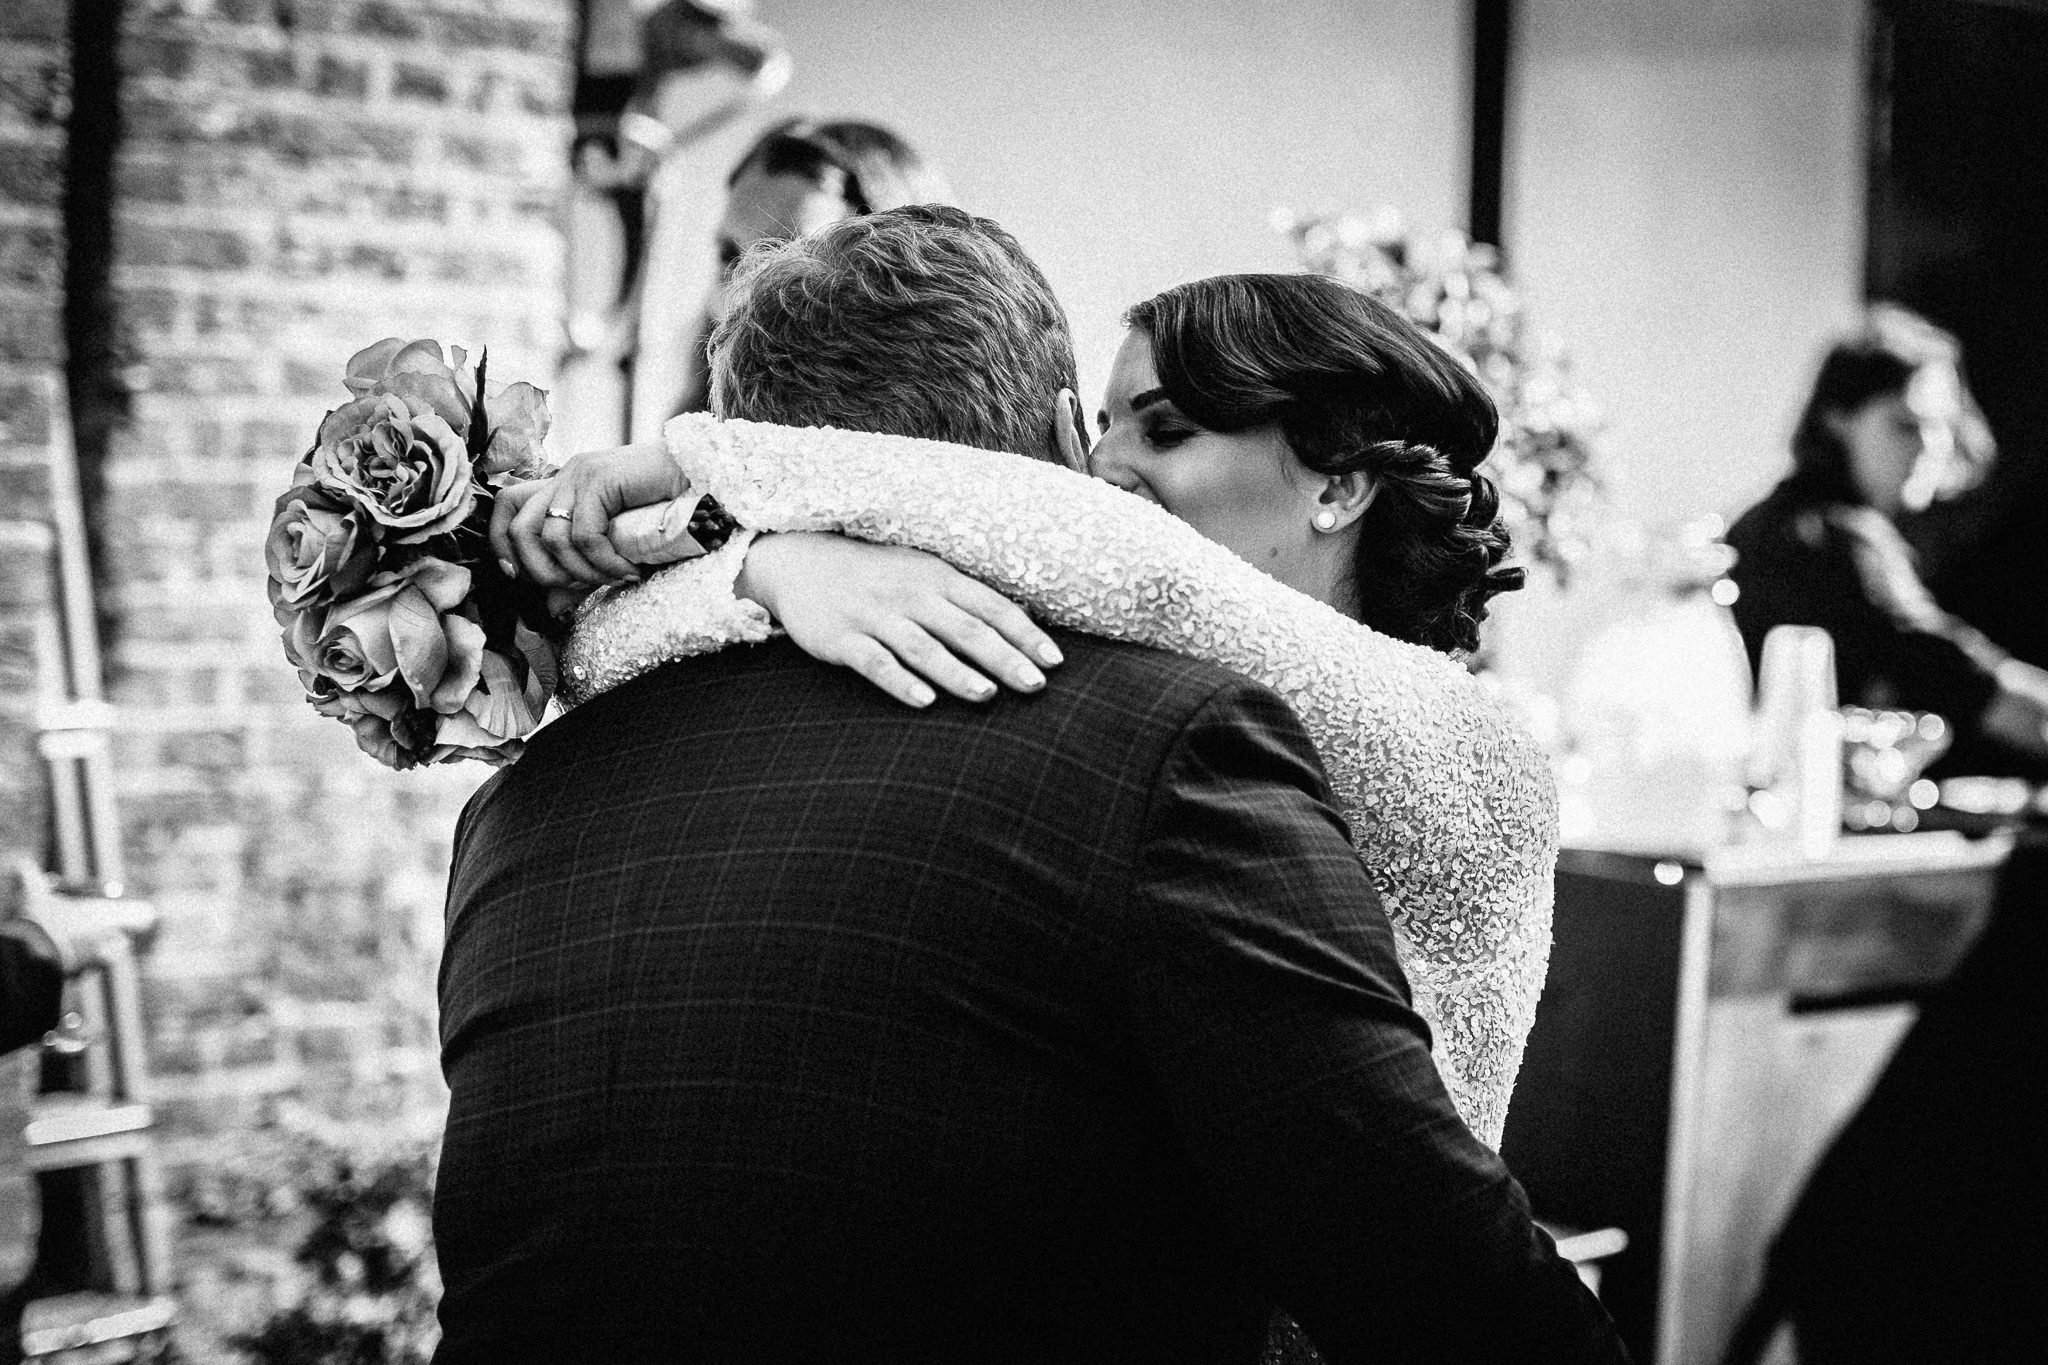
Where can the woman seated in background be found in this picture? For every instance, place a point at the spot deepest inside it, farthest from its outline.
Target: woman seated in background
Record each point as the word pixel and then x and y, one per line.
pixel 1890 428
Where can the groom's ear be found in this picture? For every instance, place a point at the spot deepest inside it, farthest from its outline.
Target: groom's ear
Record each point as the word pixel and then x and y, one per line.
pixel 1070 432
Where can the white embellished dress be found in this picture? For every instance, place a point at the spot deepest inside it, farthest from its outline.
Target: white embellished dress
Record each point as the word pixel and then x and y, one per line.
pixel 1451 804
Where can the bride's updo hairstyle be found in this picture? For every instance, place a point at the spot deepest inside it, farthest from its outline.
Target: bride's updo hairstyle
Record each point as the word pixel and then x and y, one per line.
pixel 1354 388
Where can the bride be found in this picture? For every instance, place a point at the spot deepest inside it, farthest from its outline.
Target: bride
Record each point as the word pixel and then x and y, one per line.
pixel 1287 483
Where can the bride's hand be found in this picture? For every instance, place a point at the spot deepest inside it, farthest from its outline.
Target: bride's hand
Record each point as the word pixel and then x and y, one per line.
pixel 554 530
pixel 893 614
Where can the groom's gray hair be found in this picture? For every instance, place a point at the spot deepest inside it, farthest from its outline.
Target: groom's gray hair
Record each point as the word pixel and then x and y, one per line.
pixel 921 321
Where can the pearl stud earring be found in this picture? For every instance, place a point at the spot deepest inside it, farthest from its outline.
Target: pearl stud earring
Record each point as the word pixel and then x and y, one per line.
pixel 1325 520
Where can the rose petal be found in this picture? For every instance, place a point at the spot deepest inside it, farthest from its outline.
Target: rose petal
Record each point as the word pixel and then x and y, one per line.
pixel 519 423
pixel 374 737
pixel 371 364
pixel 418 643
pixel 465 664
pixel 461 737
pixel 430 393
pixel 462 730
pixel 347 418
pixel 388 702
pixel 500 704
pixel 444 584
pixel 368 628
pixel 542 661
pixel 383 587
pixel 423 356
pixel 302 632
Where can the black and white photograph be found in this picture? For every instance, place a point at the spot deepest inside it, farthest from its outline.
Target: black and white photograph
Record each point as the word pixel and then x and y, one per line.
pixel 954 682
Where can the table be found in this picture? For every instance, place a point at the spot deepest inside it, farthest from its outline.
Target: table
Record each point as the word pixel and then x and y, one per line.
pixel 1708 1024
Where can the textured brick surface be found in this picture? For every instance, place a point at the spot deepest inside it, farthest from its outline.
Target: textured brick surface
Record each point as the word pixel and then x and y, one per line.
pixel 34 100
pixel 298 178
pixel 296 181
pixel 25 599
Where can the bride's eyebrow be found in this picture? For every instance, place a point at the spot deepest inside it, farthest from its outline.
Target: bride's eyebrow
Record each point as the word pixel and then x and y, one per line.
pixel 1141 401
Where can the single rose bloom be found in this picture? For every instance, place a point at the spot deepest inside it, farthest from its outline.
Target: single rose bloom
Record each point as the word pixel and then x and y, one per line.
pixel 316 553
pixel 519 420
pixel 416 372
pixel 405 628
pixel 407 469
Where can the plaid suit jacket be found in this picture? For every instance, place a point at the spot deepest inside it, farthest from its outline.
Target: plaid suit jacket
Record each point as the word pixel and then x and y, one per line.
pixel 785 1023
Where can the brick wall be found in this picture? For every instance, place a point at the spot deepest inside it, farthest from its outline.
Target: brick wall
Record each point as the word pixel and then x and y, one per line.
pixel 296 179
pixel 32 108
pixel 32 66
pixel 33 105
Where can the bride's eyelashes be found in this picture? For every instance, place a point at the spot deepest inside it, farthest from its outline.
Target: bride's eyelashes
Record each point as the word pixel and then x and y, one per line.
pixel 1167 435
pixel 1159 433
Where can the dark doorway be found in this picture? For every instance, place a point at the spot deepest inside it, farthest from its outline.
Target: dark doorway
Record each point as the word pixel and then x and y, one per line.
pixel 1958 229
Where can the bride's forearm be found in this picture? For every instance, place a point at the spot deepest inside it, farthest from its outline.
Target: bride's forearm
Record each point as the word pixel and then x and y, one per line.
pixel 685 609
pixel 1402 728
pixel 1082 551
pixel 1451 804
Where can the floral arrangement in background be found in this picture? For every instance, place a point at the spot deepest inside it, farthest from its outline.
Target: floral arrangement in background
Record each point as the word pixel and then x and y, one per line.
pixel 395 614
pixel 1545 461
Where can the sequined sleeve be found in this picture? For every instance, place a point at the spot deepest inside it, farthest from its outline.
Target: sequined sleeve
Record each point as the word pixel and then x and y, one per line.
pixel 685 609
pixel 1451 804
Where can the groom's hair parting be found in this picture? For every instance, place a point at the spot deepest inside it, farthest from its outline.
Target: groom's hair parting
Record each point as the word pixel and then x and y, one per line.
pixel 1354 388
pixel 921 321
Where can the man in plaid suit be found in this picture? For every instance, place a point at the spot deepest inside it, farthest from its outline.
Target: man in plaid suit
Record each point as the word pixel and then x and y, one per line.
pixel 787 1023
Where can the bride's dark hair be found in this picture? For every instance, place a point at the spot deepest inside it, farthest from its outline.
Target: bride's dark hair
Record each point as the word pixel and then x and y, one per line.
pixel 1354 387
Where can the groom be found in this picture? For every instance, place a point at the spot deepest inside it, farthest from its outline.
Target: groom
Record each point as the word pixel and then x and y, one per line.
pixel 786 1023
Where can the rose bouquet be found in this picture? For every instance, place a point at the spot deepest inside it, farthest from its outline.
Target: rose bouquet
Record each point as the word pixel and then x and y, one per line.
pixel 395 614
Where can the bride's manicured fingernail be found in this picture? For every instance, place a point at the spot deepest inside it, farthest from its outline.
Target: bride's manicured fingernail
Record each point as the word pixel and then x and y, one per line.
pixel 1030 679
pixel 510 569
pixel 1049 655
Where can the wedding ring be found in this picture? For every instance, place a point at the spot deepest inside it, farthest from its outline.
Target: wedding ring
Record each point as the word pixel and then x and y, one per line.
pixel 564 513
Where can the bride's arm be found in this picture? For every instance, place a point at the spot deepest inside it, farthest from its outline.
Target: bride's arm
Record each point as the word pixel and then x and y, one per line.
pixel 1394 721
pixel 688 608
pixel 1450 802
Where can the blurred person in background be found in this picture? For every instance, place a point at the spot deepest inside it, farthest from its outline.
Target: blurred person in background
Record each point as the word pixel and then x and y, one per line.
pixel 1890 428
pixel 652 81
pixel 1922 1234
pixel 799 175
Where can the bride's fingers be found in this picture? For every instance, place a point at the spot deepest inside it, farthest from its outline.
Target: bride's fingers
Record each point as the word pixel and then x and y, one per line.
pixel 536 560
pixel 871 659
pixel 555 537
pixel 510 501
pixel 979 643
pixel 1008 619
pixel 916 649
pixel 589 534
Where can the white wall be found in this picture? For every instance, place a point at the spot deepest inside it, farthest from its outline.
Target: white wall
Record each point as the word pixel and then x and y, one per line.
pixel 1129 144
pixel 1684 206
pixel 1685 214
pixel 1685 218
